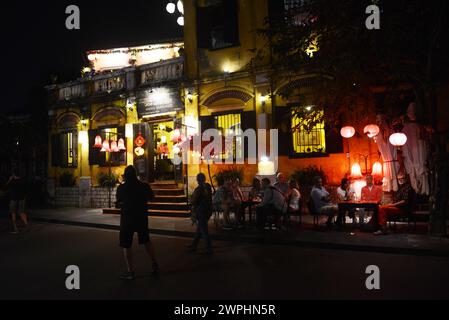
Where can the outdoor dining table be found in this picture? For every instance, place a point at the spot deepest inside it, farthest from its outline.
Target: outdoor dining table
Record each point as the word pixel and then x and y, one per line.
pixel 347 206
pixel 250 204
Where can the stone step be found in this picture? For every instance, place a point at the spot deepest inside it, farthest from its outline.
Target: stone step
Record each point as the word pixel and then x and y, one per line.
pixel 171 199
pixel 164 186
pixel 155 213
pixel 168 206
pixel 168 192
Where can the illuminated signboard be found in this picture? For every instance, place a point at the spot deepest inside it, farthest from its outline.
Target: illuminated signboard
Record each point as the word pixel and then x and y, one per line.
pixel 158 101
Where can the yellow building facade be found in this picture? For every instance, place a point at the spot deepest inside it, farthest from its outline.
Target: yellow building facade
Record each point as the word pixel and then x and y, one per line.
pixel 220 76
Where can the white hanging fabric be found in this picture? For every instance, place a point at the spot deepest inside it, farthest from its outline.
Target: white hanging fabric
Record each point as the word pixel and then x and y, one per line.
pixel 415 154
pixel 389 156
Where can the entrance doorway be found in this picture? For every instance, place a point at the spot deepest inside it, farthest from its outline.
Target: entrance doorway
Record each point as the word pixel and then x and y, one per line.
pixel 162 151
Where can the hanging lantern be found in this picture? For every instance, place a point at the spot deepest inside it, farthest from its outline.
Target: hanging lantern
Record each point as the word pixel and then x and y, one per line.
pixel 106 147
pixel 356 171
pixel 371 130
pixel 121 145
pixel 347 132
pixel 139 151
pixel 377 169
pixel 176 150
pixel 176 135
pixel 98 142
pixel 171 7
pixel 140 141
pixel 114 146
pixel 180 7
pixel 398 139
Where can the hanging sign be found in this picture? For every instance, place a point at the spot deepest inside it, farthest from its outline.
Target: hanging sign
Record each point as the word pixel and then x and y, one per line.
pixel 140 141
pixel 156 101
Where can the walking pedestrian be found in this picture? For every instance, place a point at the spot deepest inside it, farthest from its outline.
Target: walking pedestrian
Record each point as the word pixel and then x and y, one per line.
pixel 201 213
pixel 132 198
pixel 17 193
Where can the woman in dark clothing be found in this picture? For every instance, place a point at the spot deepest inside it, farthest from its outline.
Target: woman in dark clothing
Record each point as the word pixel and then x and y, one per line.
pixel 132 198
pixel 202 211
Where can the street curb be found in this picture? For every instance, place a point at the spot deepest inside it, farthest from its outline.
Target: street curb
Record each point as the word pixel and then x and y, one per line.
pixel 265 240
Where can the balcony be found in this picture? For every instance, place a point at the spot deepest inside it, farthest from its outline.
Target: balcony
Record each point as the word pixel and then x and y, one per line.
pixel 72 91
pixel 164 71
pixel 110 82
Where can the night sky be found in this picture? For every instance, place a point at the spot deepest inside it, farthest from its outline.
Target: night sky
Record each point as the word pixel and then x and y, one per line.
pixel 36 43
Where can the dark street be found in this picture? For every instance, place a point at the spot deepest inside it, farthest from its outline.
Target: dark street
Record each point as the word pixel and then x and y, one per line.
pixel 33 267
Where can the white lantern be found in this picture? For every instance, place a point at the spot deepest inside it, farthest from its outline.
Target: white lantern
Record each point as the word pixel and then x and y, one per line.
pixel 356 171
pixel 377 169
pixel 371 130
pixel 347 132
pixel 180 6
pixel 398 139
pixel 171 7
pixel 181 21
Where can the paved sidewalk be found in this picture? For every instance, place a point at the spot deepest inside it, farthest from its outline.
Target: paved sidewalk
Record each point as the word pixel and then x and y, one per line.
pixel 307 236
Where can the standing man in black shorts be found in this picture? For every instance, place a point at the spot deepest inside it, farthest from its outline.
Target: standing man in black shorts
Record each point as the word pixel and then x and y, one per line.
pixel 132 198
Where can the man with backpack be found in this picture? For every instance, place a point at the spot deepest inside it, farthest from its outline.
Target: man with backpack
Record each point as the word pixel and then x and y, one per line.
pixel 201 213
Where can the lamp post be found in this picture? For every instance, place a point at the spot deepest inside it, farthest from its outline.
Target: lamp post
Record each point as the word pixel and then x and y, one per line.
pixel 348 132
pixel 110 146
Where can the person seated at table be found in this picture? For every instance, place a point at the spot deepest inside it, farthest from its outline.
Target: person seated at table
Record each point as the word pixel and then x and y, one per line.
pixel 217 199
pixel 370 193
pixel 346 193
pixel 402 205
pixel 294 199
pixel 230 203
pixel 273 205
pixel 322 202
pixel 238 200
pixel 281 184
pixel 256 190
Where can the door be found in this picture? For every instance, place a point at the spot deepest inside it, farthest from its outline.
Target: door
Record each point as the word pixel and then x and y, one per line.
pixel 161 152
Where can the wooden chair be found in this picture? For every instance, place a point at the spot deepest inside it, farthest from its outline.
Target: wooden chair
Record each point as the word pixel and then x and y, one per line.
pixel 313 212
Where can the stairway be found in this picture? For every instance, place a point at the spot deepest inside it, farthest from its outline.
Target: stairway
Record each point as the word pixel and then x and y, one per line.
pixel 169 201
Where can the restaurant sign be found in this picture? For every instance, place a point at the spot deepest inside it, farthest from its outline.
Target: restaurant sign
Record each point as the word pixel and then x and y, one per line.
pixel 157 101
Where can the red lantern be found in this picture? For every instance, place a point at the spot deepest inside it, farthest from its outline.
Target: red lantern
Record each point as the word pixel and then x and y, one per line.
pixel 347 132
pixel 106 147
pixel 98 142
pixel 398 139
pixel 121 145
pixel 140 141
pixel 371 130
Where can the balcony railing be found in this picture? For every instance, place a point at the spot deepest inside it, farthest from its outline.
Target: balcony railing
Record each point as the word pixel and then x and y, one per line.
pixel 72 91
pixel 109 83
pixel 162 71
pixel 123 79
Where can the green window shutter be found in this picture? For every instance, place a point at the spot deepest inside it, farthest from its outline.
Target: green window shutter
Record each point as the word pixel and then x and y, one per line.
pixel 284 125
pixel 94 153
pixel 64 150
pixel 75 149
pixel 55 150
pixel 249 122
pixel 334 141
